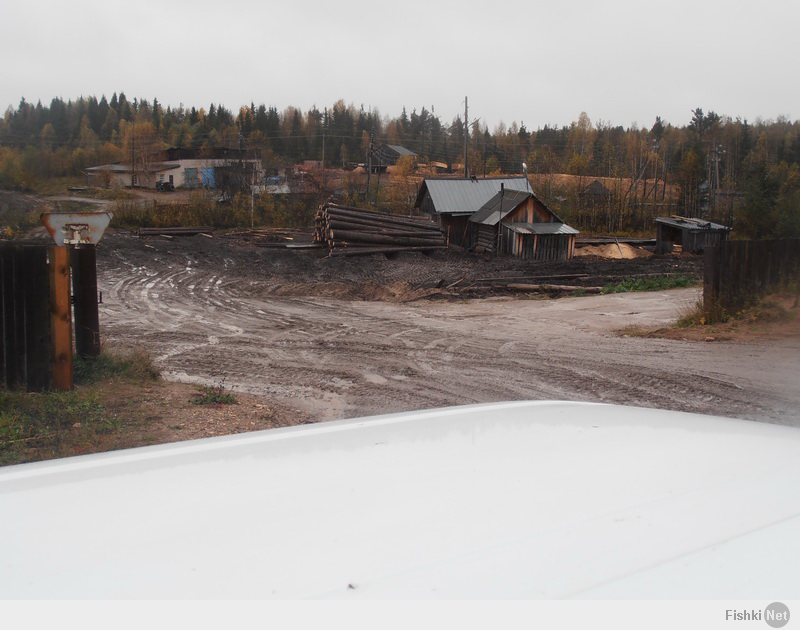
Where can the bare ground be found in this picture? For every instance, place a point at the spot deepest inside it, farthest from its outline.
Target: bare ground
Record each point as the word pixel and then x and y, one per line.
pixel 316 338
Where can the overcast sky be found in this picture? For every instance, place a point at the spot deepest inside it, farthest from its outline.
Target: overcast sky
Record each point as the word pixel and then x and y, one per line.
pixel 620 61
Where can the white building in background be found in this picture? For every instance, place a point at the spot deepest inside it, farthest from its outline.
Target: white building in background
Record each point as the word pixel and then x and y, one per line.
pixel 218 168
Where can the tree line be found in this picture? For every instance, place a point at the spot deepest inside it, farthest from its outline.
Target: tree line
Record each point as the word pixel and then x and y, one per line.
pixel 713 166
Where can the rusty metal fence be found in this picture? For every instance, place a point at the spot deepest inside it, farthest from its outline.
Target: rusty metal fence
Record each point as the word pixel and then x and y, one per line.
pixel 738 272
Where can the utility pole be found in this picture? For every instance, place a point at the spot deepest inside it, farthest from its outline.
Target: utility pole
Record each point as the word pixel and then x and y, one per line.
pixel 369 160
pixel 133 150
pixel 717 152
pixel 655 173
pixel 466 135
pixel 244 180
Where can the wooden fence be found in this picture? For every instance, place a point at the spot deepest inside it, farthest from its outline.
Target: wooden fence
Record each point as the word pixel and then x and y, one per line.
pixel 738 272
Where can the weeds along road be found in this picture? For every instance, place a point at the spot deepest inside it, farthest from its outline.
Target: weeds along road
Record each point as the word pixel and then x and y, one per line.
pixel 212 318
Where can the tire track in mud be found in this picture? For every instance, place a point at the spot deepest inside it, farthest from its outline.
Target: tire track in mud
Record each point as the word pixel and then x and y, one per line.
pixel 346 359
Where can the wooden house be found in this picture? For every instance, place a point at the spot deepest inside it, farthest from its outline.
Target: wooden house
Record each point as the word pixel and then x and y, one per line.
pixel 452 201
pixel 520 224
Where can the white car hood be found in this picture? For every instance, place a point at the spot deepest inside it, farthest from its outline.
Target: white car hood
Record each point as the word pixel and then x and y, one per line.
pixel 508 500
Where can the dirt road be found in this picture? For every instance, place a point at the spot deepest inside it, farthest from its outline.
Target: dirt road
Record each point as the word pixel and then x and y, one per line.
pixel 270 324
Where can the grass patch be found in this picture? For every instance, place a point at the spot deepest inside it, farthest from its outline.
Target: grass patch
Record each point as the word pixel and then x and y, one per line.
pixel 15 222
pixel 214 395
pixel 109 194
pixel 57 185
pixel 133 365
pixel 50 423
pixel 658 283
pixel 767 310
pixel 35 426
pixel 693 315
pixel 700 314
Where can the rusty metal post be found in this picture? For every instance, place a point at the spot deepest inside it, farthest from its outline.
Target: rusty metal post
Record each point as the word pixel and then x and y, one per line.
pixel 84 291
pixel 61 318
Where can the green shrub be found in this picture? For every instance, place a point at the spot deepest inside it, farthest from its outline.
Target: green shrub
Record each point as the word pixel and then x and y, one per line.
pixel 658 283
pixel 214 395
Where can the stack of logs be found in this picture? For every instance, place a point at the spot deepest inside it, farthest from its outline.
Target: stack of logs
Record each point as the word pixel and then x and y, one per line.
pixel 353 231
pixel 267 237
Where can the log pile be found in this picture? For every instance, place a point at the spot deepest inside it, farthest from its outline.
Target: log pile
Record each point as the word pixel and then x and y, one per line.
pixel 354 231
pixel 277 238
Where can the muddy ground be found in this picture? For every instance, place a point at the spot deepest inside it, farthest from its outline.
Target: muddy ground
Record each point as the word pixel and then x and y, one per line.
pixel 337 338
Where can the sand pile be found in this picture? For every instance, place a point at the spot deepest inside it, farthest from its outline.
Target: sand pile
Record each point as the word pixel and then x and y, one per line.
pixel 612 250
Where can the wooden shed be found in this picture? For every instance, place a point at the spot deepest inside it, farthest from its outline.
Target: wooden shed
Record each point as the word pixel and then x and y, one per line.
pixel 520 224
pixel 693 235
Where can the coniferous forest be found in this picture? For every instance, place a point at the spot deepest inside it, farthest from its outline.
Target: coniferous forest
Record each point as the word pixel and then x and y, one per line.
pixel 739 172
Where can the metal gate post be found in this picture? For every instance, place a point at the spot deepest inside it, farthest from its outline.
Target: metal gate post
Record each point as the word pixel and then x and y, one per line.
pixel 61 319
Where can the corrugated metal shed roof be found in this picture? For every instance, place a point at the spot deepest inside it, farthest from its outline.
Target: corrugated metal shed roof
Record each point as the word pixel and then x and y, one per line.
pixel 541 228
pixel 466 196
pixel 684 223
pixel 498 207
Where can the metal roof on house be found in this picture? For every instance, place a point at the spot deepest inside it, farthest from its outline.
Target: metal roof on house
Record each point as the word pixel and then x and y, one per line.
pixel 541 228
pixel 126 168
pixel 114 168
pixel 499 206
pixel 466 196
pixel 684 223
